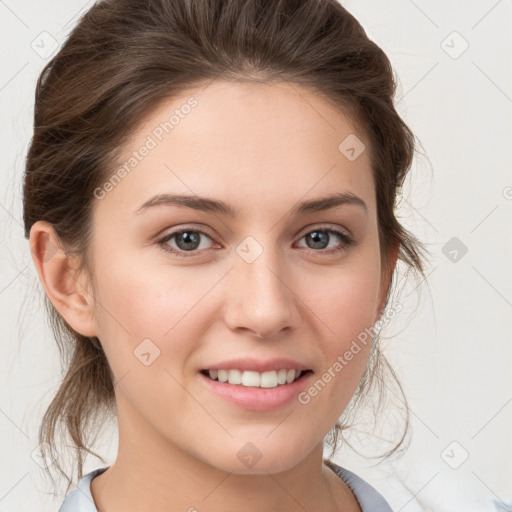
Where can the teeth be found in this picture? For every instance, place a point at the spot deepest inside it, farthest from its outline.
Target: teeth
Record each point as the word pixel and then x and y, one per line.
pixel 269 379
pixel 281 376
pixel 248 378
pixel 234 377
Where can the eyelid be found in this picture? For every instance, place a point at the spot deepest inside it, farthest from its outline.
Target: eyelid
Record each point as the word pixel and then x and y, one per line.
pixel 325 226
pixel 318 226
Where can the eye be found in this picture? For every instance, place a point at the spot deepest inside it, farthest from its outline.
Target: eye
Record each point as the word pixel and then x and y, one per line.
pixel 320 238
pixel 187 241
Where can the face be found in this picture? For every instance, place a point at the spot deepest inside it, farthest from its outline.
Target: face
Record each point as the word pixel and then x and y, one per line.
pixel 179 290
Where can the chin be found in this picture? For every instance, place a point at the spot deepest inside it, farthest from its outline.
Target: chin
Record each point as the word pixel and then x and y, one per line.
pixel 250 459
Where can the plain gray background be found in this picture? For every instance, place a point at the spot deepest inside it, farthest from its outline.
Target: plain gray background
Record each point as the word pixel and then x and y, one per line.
pixel 452 346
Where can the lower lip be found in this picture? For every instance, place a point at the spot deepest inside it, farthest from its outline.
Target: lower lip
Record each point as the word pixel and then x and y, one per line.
pixel 257 399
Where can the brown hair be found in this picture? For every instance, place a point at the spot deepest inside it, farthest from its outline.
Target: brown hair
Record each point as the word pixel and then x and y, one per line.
pixel 123 58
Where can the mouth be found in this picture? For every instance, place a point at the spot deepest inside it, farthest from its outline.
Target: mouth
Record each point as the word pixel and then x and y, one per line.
pixel 253 379
pixel 257 391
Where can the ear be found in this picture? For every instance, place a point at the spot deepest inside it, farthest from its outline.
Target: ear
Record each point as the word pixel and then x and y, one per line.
pixel 68 292
pixel 387 276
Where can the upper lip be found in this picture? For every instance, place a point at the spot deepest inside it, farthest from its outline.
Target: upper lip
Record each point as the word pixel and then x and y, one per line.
pixel 258 365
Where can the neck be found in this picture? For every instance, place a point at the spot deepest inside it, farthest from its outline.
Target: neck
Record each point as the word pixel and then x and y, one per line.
pixel 150 473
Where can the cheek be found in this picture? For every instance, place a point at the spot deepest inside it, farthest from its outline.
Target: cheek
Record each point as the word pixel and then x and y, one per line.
pixel 148 326
pixel 346 301
pixel 166 305
pixel 347 305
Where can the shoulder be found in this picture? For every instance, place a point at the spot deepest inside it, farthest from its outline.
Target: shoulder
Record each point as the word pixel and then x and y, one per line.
pixel 368 497
pixel 80 500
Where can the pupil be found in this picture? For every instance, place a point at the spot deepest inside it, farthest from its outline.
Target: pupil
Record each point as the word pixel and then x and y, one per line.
pixel 316 237
pixel 188 238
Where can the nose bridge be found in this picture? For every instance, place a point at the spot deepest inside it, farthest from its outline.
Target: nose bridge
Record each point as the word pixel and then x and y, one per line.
pixel 264 301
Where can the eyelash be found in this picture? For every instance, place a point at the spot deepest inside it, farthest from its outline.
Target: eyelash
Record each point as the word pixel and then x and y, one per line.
pixel 347 241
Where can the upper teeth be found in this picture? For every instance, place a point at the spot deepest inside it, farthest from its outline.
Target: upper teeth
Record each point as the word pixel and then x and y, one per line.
pixel 256 379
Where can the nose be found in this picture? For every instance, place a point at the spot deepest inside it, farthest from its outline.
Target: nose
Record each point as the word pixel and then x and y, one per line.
pixel 263 300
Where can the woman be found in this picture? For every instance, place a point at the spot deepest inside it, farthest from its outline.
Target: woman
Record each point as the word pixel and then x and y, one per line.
pixel 209 197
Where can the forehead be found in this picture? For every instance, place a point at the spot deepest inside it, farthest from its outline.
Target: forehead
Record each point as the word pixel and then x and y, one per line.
pixel 262 142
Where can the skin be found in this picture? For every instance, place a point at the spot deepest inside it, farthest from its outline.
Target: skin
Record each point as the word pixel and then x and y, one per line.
pixel 262 148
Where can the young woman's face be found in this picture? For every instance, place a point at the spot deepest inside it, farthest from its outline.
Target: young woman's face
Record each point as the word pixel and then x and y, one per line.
pixel 260 281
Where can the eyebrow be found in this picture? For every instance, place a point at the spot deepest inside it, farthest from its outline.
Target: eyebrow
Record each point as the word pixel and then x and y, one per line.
pixel 207 204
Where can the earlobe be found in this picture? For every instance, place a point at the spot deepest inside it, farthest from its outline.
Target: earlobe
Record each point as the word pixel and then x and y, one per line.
pixel 68 292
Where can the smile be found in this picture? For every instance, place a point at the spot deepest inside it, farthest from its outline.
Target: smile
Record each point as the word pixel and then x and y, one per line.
pixel 248 378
